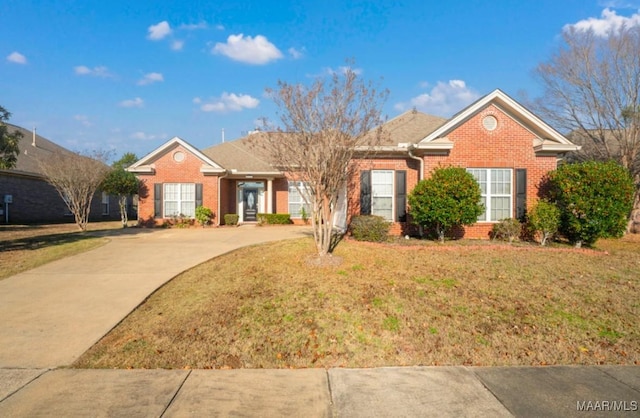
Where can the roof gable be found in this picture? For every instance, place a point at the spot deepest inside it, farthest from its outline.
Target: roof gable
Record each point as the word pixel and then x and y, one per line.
pixel 144 165
pixel 547 138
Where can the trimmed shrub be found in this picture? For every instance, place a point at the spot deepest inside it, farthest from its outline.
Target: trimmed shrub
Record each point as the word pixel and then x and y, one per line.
pixel 274 218
pixel 204 215
pixel 507 230
pixel 449 198
pixel 369 228
pixel 231 219
pixel 594 199
pixel 544 218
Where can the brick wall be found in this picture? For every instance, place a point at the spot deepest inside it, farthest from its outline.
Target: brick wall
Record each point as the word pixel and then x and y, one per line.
pixel 36 201
pixel 167 170
pixel 510 145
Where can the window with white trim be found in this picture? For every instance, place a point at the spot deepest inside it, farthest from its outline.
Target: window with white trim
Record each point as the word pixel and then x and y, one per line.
pixel 179 199
pixel 497 195
pixel 382 193
pixel 298 201
pixel 105 203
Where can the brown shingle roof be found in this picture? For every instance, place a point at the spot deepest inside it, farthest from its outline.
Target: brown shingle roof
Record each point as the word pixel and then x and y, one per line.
pixel 242 154
pixel 410 127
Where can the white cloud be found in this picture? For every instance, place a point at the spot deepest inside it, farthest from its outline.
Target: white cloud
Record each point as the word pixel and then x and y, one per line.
pixel 444 99
pixel 249 50
pixel 142 136
pixel 159 31
pixel 608 22
pixel 220 27
pixel 83 119
pixel 177 45
pixel 17 58
pixel 296 54
pixel 150 78
pixel 137 102
pixel 229 102
pixel 99 71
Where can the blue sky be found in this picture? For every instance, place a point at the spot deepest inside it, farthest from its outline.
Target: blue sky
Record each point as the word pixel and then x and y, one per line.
pixel 129 75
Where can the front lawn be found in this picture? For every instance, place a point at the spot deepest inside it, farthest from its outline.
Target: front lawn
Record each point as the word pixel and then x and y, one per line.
pixel 23 247
pixel 387 305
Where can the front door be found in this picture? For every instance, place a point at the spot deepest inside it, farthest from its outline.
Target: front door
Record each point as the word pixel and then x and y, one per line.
pixel 250 205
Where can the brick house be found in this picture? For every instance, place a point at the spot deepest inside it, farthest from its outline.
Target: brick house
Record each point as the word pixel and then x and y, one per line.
pixel 506 147
pixel 33 200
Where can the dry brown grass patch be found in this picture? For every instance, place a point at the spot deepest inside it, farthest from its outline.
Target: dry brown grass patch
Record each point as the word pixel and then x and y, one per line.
pixel 266 307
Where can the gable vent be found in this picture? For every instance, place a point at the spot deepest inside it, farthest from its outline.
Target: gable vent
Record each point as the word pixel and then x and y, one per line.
pixel 490 123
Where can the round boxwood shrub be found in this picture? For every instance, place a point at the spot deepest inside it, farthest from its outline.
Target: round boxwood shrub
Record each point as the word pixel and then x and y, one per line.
pixel 594 199
pixel 544 218
pixel 369 228
pixel 449 198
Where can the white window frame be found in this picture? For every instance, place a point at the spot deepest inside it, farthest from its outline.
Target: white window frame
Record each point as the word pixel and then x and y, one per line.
pixel 295 187
pixel 180 201
pixel 490 193
pixel 377 194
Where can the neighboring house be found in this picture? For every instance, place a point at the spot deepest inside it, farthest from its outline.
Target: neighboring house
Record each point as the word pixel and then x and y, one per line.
pixel 33 200
pixel 507 148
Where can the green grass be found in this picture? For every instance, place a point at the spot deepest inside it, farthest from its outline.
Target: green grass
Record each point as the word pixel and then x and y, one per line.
pixel 458 304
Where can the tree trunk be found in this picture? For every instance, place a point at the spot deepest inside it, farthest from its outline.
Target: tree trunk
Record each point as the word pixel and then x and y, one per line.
pixel 634 218
pixel 122 202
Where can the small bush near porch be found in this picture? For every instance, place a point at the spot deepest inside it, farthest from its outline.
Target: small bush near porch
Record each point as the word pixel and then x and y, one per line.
pixel 467 303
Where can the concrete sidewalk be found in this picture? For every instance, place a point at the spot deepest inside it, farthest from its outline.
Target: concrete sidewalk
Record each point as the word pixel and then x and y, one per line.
pixel 569 391
pixel 52 314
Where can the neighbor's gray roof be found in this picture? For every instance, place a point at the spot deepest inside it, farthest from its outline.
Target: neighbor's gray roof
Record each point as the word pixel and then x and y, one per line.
pixel 410 127
pixel 30 154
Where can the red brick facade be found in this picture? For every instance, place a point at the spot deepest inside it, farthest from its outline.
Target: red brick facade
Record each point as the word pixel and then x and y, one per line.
pixel 168 170
pixel 512 139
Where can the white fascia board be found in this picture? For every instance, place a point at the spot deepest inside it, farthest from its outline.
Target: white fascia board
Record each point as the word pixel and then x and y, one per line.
pixel 206 169
pixel 502 100
pixel 171 143
pixel 554 147
pixel 142 169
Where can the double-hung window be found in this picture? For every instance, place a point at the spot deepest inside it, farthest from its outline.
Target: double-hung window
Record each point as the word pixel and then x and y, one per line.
pixel 179 199
pixel 299 199
pixel 383 193
pixel 105 203
pixel 497 194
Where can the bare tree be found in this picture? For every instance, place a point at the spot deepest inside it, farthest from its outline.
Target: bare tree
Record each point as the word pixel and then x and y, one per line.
pixel 76 177
pixel 322 127
pixel 592 91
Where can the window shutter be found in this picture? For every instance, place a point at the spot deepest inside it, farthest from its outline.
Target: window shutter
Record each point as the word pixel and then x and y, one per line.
pixel 198 194
pixel 401 196
pixel 157 200
pixel 521 193
pixel 365 192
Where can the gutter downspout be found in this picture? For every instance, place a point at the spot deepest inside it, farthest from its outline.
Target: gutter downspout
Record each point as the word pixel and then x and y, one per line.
pixel 421 160
pixel 226 173
pixel 420 175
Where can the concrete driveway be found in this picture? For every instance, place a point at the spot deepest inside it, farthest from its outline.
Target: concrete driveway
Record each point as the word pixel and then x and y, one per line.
pixel 52 314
